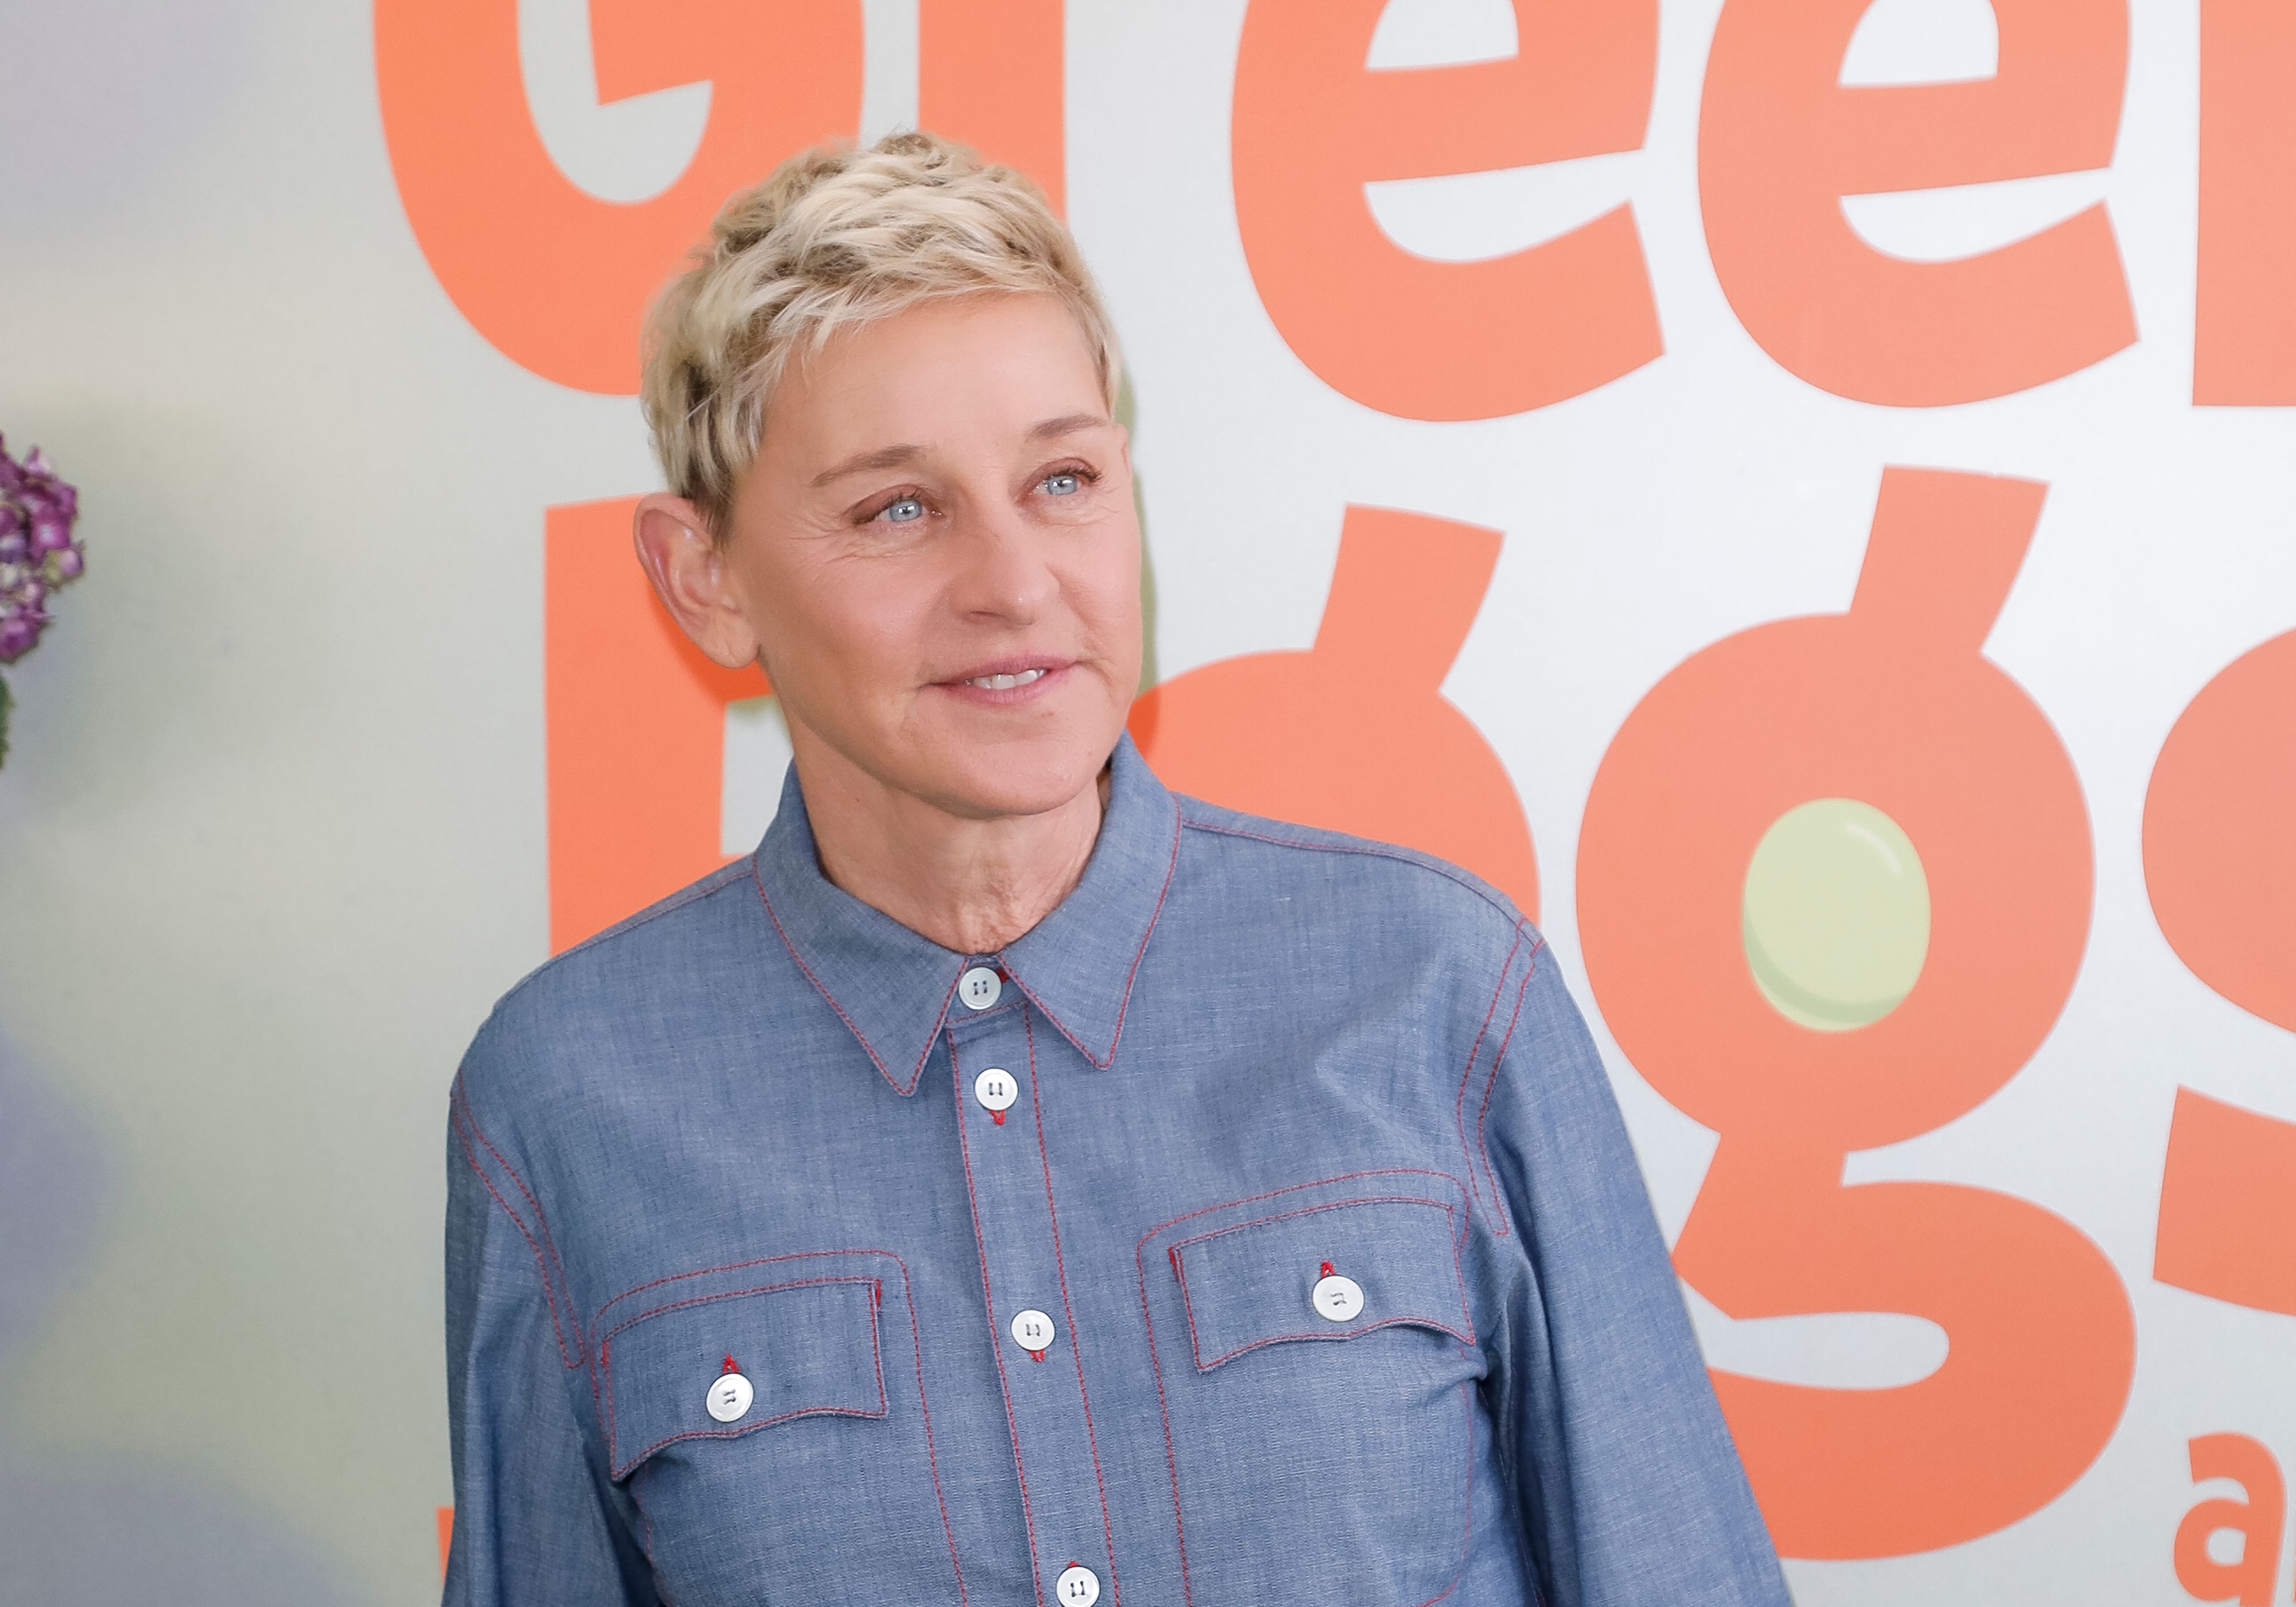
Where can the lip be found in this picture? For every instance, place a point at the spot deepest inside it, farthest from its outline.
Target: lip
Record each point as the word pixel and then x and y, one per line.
pixel 959 684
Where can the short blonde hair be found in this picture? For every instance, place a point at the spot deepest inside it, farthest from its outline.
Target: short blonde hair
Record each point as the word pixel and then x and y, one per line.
pixel 834 237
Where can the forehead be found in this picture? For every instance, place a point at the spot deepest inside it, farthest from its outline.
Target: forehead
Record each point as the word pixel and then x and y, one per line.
pixel 962 367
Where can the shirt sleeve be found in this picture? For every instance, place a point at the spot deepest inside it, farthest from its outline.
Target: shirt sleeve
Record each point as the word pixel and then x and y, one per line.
pixel 1630 1490
pixel 535 1524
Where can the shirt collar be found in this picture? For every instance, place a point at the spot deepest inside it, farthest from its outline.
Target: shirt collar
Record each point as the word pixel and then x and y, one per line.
pixel 893 988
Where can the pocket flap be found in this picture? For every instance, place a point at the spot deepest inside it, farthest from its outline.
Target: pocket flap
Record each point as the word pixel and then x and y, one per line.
pixel 805 1347
pixel 1254 1283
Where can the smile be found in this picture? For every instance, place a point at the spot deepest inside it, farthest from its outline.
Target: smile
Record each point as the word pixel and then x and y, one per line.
pixel 1006 683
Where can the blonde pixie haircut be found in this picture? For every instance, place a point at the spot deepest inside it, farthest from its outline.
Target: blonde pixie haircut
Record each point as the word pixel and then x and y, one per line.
pixel 835 237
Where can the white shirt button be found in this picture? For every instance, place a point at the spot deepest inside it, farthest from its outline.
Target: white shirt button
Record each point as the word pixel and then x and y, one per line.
pixel 1033 1331
pixel 729 1396
pixel 979 987
pixel 996 1089
pixel 1337 1299
pixel 1078 1586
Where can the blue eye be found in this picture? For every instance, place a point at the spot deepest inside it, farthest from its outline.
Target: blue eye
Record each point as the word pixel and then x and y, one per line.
pixel 1066 483
pixel 904 511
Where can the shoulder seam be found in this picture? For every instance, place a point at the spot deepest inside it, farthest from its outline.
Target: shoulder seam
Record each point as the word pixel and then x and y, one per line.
pixel 1493 1208
pixel 715 881
pixel 1482 1151
pixel 465 1123
pixel 1370 850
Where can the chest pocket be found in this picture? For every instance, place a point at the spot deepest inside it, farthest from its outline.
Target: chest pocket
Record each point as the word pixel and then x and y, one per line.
pixel 1319 1368
pixel 759 1471
pixel 793 1350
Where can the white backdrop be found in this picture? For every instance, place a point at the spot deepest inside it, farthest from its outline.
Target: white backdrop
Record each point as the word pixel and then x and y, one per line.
pixel 272 831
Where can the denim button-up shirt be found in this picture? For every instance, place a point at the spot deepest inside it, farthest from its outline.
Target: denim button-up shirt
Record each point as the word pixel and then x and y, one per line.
pixel 742 1134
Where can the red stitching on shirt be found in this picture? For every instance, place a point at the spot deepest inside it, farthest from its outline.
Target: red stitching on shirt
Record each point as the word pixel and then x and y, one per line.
pixel 859 1036
pixel 732 1432
pixel 1171 1459
pixel 1467 1074
pixel 724 876
pixel 1124 1002
pixel 1450 1230
pixel 647 1547
pixel 459 1113
pixel 1171 866
pixel 1155 1362
pixel 1336 1333
pixel 1444 1206
pixel 1467 1503
pixel 735 1294
pixel 616 1467
pixel 1294 1188
pixel 988 1303
pixel 1372 850
pixel 703 1272
pixel 916 1348
pixel 1482 1116
pixel 1068 1313
pixel 932 1458
pixel 549 1241
pixel 1494 1208
pixel 597 1406
pixel 917 1351
pixel 876 1341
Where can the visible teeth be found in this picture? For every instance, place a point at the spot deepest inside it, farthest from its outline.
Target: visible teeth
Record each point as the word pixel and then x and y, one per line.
pixel 1004 682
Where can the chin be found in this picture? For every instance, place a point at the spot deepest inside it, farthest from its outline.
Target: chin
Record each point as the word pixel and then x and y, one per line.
pixel 1016 779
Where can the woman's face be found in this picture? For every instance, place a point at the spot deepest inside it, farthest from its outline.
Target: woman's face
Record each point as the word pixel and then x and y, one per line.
pixel 938 552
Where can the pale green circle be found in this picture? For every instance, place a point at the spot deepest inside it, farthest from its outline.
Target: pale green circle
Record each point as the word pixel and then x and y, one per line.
pixel 1836 915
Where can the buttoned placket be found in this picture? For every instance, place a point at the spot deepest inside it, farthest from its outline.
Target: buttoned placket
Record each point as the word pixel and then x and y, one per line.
pixel 1008 1176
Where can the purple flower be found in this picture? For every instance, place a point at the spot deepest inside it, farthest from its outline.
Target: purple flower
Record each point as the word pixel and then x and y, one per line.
pixel 17 633
pixel 37 553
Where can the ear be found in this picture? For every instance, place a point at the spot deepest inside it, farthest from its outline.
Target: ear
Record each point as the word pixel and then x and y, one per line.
pixel 692 578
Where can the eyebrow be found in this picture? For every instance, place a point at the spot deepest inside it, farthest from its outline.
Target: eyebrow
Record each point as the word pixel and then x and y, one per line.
pixel 899 456
pixel 1068 423
pixel 882 457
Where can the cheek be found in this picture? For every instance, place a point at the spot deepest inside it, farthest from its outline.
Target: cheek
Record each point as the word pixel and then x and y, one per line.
pixel 1104 586
pixel 847 638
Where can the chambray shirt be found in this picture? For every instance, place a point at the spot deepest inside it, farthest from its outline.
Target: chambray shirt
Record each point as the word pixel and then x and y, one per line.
pixel 744 1134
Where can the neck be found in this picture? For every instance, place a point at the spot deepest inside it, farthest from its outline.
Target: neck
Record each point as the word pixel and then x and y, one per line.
pixel 969 885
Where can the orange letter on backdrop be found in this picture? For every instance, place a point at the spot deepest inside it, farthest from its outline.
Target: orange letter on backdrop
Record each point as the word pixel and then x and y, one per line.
pixel 2244 319
pixel 1288 733
pixel 2220 865
pixel 990 72
pixel 1781 141
pixel 1405 335
pixel 634 727
pixel 1893 704
pixel 554 277
pixel 2256 1521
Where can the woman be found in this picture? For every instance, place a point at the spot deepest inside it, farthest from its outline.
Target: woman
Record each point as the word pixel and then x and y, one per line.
pixel 1014 1183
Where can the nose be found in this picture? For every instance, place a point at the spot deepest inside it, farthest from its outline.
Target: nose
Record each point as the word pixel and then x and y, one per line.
pixel 1002 576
